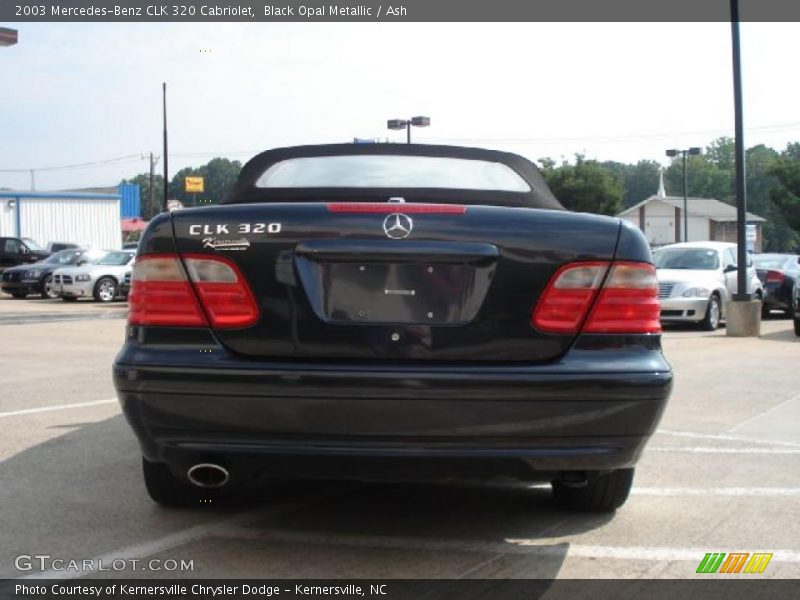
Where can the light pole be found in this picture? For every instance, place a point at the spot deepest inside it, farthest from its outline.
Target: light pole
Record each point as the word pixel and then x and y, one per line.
pixel 407 123
pixel 672 154
pixel 742 292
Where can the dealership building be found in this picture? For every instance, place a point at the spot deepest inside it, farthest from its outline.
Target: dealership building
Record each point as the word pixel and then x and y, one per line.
pixel 87 217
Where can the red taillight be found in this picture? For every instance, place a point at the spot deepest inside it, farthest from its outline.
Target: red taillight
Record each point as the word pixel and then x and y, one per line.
pixel 564 302
pixel 774 277
pixel 626 303
pixel 161 293
pixel 394 207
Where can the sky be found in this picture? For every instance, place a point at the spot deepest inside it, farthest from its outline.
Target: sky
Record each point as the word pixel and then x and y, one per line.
pixel 91 92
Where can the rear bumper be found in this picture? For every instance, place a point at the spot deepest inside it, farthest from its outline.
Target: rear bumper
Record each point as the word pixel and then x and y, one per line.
pixel 592 410
pixel 777 298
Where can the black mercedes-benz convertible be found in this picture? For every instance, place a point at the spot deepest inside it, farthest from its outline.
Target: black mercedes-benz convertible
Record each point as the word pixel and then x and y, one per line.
pixel 387 311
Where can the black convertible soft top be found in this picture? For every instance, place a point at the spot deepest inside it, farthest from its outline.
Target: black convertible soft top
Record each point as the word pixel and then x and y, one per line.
pixel 539 196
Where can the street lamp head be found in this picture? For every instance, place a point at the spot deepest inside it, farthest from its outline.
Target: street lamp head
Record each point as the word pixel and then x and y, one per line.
pixel 695 151
pixel 396 123
pixel 421 121
pixel 8 37
pixel 672 153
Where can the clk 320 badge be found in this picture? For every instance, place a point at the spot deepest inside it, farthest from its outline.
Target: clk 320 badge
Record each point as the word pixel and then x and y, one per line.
pixel 240 228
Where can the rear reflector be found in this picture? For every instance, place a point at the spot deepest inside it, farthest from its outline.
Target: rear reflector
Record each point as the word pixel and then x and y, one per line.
pixel 161 294
pixel 626 303
pixel 774 277
pixel 392 207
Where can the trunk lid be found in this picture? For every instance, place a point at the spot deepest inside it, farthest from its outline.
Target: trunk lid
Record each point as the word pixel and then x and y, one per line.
pixel 396 282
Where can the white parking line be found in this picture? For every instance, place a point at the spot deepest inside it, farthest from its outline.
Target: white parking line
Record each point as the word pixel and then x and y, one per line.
pixel 764 412
pixel 41 409
pixel 656 553
pixel 717 450
pixel 542 545
pixel 726 438
pixel 716 491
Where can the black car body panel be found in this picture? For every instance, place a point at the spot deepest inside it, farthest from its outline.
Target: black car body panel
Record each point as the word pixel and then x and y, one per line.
pixel 779 291
pixel 335 367
pixel 593 409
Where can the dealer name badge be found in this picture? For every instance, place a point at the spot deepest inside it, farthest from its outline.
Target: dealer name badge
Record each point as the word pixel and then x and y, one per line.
pixel 213 231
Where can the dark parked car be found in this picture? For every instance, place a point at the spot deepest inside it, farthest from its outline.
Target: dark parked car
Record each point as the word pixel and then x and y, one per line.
pixel 58 246
pixel 17 251
pixel 392 311
pixel 779 274
pixel 37 278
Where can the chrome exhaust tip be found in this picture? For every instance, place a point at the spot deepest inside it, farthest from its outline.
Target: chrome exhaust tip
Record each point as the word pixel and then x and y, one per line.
pixel 208 475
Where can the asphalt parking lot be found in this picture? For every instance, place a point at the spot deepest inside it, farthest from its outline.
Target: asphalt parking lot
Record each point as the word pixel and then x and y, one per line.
pixel 721 475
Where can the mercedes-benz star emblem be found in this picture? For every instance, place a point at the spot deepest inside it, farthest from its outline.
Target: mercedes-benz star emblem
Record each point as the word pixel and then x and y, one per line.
pixel 397 226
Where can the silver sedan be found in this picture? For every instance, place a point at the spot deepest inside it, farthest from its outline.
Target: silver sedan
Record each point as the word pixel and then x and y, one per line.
pixel 99 280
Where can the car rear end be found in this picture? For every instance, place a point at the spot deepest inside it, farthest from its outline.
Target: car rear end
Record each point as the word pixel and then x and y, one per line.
pixel 381 340
pixel 778 276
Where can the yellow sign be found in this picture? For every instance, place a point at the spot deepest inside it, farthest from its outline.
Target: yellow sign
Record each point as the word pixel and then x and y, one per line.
pixel 194 184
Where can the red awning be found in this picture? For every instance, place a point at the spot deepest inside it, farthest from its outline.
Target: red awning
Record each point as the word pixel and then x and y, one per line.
pixel 134 224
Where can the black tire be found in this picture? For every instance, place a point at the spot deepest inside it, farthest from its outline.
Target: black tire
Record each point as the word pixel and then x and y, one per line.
pixel 48 281
pixel 106 289
pixel 69 298
pixel 604 492
pixel 710 322
pixel 797 326
pixel 167 490
pixel 19 295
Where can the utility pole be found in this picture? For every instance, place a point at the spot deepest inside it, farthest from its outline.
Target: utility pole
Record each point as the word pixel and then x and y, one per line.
pixel 33 180
pixel 165 205
pixel 153 161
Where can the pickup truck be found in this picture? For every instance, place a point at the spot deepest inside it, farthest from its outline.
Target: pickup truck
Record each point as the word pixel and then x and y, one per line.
pixel 392 311
pixel 18 251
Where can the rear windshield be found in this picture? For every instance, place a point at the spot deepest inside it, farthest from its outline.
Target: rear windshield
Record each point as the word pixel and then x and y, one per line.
pixel 392 171
pixel 704 259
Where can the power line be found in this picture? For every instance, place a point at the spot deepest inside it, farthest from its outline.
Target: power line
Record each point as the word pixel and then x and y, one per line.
pixel 97 163
pixel 619 138
pixel 139 157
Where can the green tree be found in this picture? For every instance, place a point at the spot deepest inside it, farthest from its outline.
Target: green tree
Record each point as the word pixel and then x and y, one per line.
pixel 219 175
pixel 705 178
pixel 639 181
pixel 143 179
pixel 586 186
pixel 786 194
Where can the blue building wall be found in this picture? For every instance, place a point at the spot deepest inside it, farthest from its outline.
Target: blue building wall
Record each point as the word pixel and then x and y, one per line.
pixel 131 202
